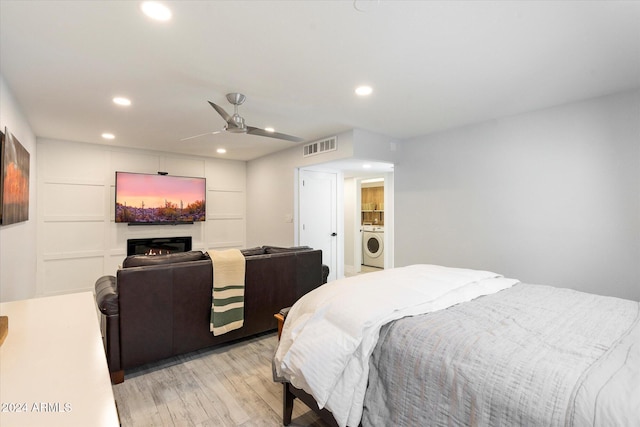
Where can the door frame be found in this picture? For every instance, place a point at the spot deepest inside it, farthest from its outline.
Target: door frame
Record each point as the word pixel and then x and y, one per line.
pixel 389 231
pixel 388 238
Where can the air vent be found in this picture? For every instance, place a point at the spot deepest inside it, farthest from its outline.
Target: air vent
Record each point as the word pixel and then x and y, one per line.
pixel 322 146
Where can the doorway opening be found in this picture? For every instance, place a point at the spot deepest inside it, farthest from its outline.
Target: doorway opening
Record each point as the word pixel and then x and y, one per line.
pixel 349 213
pixel 372 223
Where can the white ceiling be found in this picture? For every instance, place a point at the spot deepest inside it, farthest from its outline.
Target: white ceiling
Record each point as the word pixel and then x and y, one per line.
pixel 433 65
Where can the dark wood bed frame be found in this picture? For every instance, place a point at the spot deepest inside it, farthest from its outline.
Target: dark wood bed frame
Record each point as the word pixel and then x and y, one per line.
pixel 289 393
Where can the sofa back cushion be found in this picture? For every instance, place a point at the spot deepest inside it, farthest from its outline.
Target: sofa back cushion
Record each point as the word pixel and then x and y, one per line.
pixel 143 260
pixel 278 250
pixel 258 250
pixel 148 299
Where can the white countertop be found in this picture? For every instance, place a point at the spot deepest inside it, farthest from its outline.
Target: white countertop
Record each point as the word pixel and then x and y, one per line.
pixel 53 369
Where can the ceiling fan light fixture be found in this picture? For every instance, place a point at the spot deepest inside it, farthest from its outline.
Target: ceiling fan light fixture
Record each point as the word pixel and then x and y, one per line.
pixel 235 123
pixel 235 130
pixel 156 11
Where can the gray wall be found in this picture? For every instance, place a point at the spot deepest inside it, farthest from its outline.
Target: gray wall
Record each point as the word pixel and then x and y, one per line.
pixel 18 241
pixel 549 197
pixel 271 191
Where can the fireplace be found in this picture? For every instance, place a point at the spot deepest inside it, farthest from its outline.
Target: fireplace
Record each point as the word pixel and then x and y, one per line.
pixel 158 245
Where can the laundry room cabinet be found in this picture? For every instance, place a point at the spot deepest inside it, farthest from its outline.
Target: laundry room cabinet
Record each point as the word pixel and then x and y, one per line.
pixel 374 217
pixel 372 204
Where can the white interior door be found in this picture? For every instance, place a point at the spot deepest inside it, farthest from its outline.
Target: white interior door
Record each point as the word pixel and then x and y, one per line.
pixel 318 215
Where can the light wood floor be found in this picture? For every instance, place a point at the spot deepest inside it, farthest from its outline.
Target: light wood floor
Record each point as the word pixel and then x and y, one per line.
pixel 229 385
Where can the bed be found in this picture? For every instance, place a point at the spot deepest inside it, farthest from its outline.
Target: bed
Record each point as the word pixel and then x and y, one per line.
pixel 431 345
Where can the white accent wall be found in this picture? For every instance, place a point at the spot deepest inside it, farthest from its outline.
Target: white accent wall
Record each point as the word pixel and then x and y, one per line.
pixel 78 239
pixel 549 197
pixel 18 241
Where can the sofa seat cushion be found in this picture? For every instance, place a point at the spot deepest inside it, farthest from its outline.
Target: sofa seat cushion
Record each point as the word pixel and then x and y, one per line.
pixel 143 260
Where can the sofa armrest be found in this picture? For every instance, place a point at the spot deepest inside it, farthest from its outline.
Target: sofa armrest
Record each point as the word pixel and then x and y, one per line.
pixel 325 273
pixel 107 295
pixel 106 289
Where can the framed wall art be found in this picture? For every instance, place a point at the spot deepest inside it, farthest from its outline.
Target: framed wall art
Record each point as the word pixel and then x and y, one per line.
pixel 14 180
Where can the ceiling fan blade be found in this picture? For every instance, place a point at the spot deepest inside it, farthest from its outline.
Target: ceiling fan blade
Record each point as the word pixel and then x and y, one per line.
pixel 220 110
pixel 261 132
pixel 198 136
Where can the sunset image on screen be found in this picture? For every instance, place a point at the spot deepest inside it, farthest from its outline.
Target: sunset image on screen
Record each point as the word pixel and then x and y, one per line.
pixel 159 198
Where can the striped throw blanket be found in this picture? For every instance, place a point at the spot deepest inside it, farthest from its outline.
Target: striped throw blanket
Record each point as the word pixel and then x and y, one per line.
pixel 227 307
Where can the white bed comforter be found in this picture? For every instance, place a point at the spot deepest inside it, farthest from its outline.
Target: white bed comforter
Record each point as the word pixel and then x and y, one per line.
pixel 331 332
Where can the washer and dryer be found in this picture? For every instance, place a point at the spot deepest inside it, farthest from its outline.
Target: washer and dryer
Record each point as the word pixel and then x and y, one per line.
pixel 373 246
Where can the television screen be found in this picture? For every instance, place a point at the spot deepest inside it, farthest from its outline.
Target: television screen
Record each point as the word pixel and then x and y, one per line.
pixel 158 199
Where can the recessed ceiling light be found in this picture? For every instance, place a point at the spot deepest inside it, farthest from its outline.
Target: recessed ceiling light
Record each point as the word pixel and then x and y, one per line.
pixel 155 10
pixel 366 166
pixel 108 135
pixel 221 151
pixel 270 129
pixel 122 101
pixel 364 90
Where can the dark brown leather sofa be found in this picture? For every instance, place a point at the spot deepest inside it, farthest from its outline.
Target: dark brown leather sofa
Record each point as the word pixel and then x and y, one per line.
pixel 160 306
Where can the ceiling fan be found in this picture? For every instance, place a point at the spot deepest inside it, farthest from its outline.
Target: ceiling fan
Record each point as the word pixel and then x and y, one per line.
pixel 235 123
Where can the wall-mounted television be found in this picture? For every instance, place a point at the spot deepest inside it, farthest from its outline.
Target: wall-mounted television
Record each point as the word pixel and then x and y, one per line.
pixel 159 198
